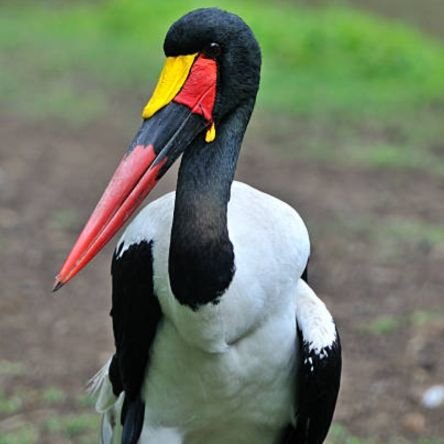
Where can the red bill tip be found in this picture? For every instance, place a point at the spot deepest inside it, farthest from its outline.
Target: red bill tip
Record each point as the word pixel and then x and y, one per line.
pixel 130 184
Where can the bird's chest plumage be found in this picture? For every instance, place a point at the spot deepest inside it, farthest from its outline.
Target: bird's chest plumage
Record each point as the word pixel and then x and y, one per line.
pixel 221 361
pixel 202 327
pixel 245 382
pixel 270 251
pixel 211 327
pixel 235 357
pixel 271 248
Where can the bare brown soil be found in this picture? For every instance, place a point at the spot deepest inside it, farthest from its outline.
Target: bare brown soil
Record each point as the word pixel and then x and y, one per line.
pixel 50 179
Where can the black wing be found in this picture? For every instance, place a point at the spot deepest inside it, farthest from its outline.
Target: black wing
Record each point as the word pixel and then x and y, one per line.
pixel 318 389
pixel 136 313
pixel 320 380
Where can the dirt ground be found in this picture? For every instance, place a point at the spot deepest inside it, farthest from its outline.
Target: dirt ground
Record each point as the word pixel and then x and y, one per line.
pixel 385 291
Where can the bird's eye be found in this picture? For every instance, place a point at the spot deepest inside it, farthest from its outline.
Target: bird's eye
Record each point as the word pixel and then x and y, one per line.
pixel 212 50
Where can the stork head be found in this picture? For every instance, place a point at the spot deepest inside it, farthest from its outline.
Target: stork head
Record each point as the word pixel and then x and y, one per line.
pixel 212 67
pixel 226 39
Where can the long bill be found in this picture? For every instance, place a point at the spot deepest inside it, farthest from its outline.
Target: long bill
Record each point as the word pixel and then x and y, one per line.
pixel 180 109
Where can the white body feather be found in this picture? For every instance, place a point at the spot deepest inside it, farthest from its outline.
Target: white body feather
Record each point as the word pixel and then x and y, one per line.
pixel 226 373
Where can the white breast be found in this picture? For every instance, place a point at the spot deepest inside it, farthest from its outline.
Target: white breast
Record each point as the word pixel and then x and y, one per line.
pixel 250 386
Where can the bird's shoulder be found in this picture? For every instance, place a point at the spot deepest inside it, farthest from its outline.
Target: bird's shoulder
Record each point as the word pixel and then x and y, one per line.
pixel 262 205
pixel 269 226
pixel 152 223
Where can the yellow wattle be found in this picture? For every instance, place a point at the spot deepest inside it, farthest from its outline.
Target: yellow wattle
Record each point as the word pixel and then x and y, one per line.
pixel 211 133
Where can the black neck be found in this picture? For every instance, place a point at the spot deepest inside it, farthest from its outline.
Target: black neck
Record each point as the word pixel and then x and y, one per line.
pixel 201 259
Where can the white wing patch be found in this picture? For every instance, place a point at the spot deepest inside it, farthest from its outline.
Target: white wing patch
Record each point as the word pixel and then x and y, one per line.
pixel 314 320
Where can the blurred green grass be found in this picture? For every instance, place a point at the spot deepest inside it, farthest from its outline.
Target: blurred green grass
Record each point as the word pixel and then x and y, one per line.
pixel 70 60
pixel 48 414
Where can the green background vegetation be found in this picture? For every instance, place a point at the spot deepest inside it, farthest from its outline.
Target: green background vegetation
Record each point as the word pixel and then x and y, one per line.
pixel 343 71
pixel 64 59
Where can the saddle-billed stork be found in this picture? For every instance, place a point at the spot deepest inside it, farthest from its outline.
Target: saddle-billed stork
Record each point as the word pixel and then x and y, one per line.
pixel 219 338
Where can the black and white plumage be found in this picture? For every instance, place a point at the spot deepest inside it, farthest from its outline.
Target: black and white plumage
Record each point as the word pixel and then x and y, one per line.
pixel 261 364
pixel 219 339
